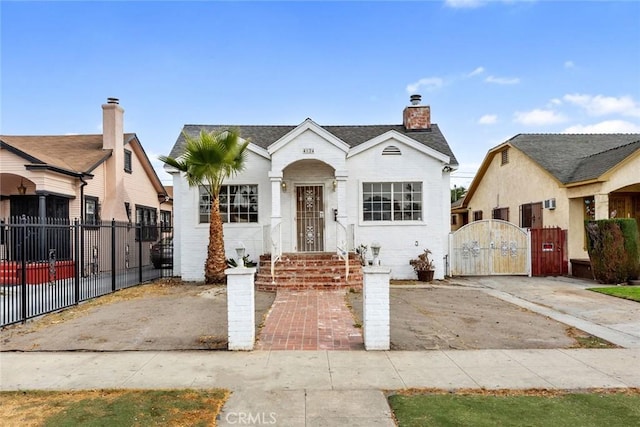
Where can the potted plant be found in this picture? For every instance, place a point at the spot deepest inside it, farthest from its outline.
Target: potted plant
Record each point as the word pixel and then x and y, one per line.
pixel 423 266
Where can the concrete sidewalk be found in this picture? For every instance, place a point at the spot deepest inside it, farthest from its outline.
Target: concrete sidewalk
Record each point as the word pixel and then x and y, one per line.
pixel 302 388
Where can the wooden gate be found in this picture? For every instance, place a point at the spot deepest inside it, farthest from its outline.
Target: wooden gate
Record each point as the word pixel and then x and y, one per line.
pixel 548 252
pixel 490 247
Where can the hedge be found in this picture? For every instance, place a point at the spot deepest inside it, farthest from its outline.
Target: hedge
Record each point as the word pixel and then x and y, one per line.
pixel 614 249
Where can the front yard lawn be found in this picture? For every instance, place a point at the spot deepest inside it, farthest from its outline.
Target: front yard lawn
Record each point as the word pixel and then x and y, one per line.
pixel 626 292
pixel 111 407
pixel 532 408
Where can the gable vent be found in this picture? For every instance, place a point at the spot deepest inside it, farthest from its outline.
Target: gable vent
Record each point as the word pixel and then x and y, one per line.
pixel 391 150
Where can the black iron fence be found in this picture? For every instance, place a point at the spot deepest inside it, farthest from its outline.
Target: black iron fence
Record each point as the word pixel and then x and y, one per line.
pixel 49 264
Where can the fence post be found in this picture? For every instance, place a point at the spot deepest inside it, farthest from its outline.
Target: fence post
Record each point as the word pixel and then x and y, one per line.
pixel 76 253
pixel 113 255
pixel 140 256
pixel 23 270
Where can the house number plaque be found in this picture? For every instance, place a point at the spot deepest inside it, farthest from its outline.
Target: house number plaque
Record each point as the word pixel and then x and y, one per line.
pixel 308 151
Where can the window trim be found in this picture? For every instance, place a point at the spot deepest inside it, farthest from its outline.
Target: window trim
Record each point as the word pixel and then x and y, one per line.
pixel 391 222
pixel 96 214
pixel 500 210
pixel 228 222
pixel 146 232
pixel 477 215
pixel 128 155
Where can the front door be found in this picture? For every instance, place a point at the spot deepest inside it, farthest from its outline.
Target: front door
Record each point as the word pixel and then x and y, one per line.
pixel 310 218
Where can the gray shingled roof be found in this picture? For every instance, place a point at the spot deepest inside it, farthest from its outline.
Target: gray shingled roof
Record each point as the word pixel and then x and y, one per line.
pixel 577 157
pixel 354 135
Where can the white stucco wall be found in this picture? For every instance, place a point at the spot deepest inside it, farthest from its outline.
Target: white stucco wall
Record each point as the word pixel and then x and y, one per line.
pixel 300 165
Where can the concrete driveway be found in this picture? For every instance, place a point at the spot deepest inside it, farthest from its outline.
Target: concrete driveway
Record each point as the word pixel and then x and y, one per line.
pixel 567 300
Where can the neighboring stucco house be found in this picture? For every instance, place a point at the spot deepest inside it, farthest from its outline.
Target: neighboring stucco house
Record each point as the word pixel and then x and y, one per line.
pixel 313 188
pixel 87 177
pixel 541 180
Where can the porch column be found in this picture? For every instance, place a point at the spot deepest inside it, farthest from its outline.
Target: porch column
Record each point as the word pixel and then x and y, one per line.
pixel 276 215
pixel 602 206
pixel 341 199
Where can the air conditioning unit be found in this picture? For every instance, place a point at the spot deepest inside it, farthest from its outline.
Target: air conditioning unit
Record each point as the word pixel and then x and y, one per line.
pixel 550 204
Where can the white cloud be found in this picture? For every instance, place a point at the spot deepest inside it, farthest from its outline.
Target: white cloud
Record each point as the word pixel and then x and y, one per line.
pixel 608 126
pixel 600 105
pixel 502 80
pixel 464 4
pixel 475 72
pixel 569 64
pixel 539 117
pixel 555 101
pixel 428 83
pixel 488 119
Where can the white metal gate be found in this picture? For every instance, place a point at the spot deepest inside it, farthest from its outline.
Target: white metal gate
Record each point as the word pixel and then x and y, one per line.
pixel 490 247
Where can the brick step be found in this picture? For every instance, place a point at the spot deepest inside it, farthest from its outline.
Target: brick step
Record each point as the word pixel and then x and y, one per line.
pixel 309 271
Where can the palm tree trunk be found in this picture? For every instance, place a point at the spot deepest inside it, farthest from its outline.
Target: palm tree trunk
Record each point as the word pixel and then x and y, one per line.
pixel 216 262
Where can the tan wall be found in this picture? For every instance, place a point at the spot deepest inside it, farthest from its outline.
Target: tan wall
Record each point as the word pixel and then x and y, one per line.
pixel 519 182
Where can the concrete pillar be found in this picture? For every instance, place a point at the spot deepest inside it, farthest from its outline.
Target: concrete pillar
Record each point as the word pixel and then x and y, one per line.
pixel 602 206
pixel 375 321
pixel 241 308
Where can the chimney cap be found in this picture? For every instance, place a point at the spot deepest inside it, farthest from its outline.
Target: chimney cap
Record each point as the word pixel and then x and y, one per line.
pixel 415 99
pixel 113 101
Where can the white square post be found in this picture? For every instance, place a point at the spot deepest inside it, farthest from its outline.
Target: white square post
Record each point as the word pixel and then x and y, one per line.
pixel 376 308
pixel 241 308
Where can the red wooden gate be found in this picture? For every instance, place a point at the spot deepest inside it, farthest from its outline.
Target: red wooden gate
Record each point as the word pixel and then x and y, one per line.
pixel 549 252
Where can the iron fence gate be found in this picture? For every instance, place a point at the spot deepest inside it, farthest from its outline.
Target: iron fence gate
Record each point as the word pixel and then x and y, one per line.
pixel 50 264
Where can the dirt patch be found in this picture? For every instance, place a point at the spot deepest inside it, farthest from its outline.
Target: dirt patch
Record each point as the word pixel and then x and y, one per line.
pixel 168 315
pixel 465 319
pixel 173 315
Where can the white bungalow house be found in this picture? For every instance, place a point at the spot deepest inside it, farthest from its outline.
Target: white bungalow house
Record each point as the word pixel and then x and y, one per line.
pixel 313 188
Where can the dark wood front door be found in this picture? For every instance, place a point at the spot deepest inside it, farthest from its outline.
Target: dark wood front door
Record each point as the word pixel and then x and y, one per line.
pixel 310 218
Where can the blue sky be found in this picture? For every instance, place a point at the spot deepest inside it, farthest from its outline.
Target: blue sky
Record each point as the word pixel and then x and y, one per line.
pixel 488 69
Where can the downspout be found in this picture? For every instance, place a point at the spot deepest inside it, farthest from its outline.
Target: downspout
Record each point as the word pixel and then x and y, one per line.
pixel 79 229
pixel 84 183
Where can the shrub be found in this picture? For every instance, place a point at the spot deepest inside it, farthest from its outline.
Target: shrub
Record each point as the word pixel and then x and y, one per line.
pixel 614 249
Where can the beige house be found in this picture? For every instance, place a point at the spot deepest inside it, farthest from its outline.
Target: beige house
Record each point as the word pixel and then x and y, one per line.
pixel 542 180
pixel 87 177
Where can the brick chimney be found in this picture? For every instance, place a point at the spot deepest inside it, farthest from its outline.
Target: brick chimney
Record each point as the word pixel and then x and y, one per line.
pixel 416 116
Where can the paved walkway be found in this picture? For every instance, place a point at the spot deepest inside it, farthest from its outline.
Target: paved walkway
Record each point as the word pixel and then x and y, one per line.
pixel 310 320
pixel 321 388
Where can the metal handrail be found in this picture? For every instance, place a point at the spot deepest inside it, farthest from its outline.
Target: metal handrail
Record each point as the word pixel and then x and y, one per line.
pixel 276 249
pixel 342 248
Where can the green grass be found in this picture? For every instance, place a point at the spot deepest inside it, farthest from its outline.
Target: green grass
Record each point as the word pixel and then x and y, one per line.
pixel 112 407
pixel 579 409
pixel 626 292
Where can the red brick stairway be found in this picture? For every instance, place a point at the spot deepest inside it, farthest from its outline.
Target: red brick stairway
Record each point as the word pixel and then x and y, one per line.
pixel 309 270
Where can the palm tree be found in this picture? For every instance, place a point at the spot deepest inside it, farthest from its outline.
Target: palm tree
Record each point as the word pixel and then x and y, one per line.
pixel 208 160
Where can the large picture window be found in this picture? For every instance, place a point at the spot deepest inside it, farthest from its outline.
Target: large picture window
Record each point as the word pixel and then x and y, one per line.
pixel 146 218
pixel 238 203
pixel 392 201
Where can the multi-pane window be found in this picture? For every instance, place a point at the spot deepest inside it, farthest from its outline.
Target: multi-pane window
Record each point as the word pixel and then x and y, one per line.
pixel 477 215
pixel 91 214
pixel 238 203
pixel 500 213
pixel 127 161
pixel 165 220
pixel 146 219
pixel 392 201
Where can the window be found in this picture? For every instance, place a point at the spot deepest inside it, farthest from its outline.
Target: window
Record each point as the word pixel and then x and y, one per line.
pixel 238 203
pixel 147 230
pixel 165 220
pixel 504 156
pixel 531 215
pixel 477 215
pixel 91 210
pixel 127 161
pixel 500 213
pixel 392 201
pixel 454 219
pixel 127 208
